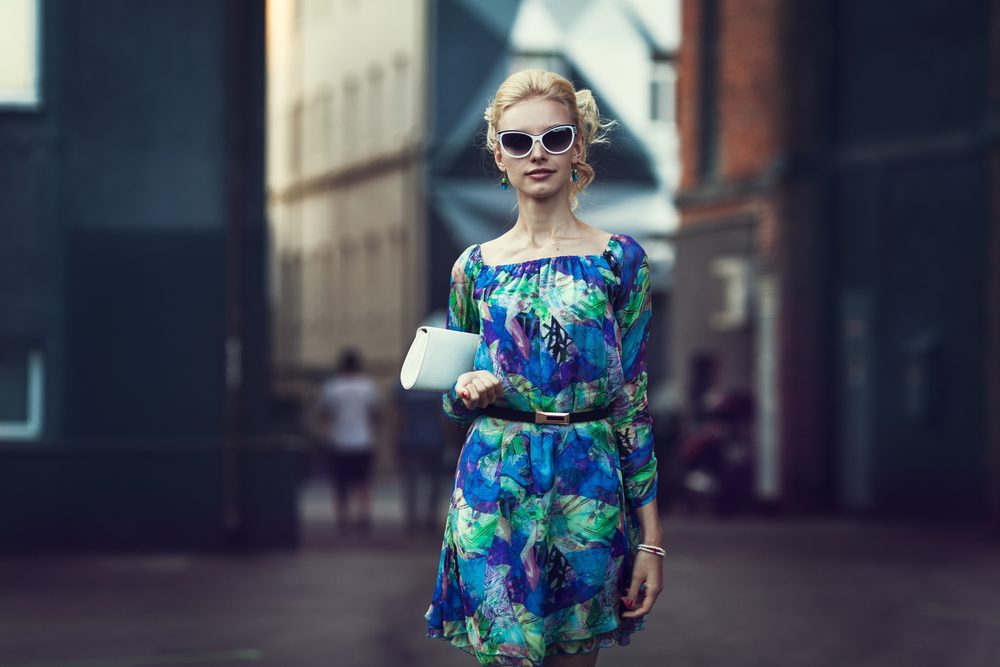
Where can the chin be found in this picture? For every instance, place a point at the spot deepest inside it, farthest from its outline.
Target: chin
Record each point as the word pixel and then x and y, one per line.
pixel 543 191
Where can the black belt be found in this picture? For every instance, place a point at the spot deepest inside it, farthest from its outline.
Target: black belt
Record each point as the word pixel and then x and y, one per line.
pixel 546 417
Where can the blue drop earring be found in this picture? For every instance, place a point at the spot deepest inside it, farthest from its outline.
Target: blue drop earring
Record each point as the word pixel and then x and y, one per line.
pixel 574 175
pixel 504 183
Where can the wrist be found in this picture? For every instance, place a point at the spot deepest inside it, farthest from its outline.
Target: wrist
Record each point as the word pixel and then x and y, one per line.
pixel 651 549
pixel 652 538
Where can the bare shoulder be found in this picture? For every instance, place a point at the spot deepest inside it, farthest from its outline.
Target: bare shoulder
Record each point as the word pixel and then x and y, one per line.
pixel 596 236
pixel 494 244
pixel 501 249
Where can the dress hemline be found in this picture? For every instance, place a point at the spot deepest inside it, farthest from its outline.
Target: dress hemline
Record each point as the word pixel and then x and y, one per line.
pixel 617 636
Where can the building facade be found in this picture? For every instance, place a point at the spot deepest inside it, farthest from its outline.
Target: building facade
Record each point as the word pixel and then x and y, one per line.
pixel 347 134
pixel 134 372
pixel 834 215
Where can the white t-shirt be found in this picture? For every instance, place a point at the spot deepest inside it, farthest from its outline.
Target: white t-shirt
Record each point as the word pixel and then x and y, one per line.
pixel 350 401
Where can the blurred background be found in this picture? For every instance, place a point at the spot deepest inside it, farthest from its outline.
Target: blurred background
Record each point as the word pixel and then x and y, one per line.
pixel 204 204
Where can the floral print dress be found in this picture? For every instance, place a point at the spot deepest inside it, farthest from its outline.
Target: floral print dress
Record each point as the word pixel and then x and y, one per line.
pixel 541 532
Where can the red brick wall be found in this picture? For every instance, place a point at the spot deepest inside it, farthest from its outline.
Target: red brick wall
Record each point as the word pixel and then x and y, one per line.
pixel 752 106
pixel 687 93
pixel 751 97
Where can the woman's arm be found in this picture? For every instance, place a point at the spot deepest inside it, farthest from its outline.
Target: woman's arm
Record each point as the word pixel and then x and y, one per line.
pixel 633 427
pixel 629 409
pixel 649 525
pixel 473 390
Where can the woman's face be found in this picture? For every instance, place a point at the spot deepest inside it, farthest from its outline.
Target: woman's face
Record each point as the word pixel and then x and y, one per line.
pixel 538 174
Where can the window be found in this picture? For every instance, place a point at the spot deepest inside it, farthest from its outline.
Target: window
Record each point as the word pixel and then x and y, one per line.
pixel 733 275
pixel 402 110
pixel 332 132
pixel 376 107
pixel 298 12
pixel 20 392
pixel 20 62
pixel 295 140
pixel 351 115
pixel 317 137
pixel 661 91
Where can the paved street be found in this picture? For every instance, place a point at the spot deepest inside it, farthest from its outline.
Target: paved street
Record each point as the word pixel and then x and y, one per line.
pixel 748 592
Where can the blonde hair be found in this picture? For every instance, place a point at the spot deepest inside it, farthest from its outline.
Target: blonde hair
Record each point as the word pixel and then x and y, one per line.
pixel 539 84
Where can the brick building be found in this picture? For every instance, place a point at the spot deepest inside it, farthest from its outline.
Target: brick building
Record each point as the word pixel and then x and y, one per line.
pixel 838 161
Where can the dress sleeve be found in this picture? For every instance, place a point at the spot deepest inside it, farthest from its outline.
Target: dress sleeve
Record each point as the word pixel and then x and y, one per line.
pixel 463 315
pixel 629 411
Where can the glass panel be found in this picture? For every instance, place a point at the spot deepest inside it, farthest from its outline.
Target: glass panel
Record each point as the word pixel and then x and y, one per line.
pixel 19 64
pixel 20 391
pixel 662 92
pixel 14 386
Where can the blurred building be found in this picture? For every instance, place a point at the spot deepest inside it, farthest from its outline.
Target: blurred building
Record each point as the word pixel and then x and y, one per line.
pixel 346 145
pixel 377 175
pixel 839 160
pixel 134 372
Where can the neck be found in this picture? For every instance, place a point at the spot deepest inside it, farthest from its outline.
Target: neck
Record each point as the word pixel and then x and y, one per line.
pixel 542 220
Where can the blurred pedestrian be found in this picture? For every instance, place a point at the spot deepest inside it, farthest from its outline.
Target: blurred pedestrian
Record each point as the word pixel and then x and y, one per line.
pixel 552 544
pixel 348 407
pixel 420 445
pixel 666 408
pixel 715 465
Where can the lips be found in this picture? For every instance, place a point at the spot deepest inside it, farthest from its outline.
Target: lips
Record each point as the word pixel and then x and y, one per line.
pixel 539 172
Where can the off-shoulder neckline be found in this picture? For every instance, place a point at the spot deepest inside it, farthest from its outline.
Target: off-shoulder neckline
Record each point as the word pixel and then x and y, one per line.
pixel 541 260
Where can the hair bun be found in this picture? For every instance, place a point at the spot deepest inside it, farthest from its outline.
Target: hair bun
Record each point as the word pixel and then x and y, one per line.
pixel 592 127
pixel 585 100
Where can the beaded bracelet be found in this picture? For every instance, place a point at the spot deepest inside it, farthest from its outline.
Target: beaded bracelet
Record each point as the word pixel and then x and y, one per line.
pixel 650 549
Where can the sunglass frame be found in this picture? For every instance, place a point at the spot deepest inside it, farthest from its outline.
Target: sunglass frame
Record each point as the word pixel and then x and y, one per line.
pixel 539 138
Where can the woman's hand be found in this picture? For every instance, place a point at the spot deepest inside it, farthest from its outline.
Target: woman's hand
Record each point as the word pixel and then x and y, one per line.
pixel 477 389
pixel 648 570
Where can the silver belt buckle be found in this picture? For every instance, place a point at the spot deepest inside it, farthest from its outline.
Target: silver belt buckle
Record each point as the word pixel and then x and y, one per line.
pixel 551 417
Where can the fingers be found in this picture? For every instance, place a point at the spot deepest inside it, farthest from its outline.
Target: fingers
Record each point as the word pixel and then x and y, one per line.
pixel 488 387
pixel 645 586
pixel 469 395
pixel 631 599
pixel 648 598
pixel 478 389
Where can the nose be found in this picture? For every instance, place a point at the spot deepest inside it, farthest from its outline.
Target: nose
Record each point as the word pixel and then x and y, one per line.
pixel 537 150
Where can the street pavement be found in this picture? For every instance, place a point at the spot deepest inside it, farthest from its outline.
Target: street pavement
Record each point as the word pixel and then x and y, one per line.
pixel 745 592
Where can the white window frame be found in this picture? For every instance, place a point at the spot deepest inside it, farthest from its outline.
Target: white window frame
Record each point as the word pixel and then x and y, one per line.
pixel 31 427
pixel 27 96
pixel 733 275
pixel 663 92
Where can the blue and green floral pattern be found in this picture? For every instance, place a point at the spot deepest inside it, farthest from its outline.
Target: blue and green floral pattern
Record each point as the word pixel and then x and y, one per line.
pixel 541 532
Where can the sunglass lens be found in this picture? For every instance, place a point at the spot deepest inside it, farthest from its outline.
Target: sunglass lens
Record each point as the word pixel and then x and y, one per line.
pixel 558 140
pixel 516 143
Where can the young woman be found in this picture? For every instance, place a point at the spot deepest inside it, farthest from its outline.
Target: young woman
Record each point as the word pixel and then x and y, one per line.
pixel 552 543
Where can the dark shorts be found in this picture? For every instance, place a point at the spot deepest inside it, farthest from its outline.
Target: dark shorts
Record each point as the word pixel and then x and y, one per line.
pixel 348 469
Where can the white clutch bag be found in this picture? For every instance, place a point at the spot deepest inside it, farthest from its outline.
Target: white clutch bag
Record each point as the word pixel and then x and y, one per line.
pixel 437 357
